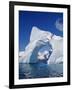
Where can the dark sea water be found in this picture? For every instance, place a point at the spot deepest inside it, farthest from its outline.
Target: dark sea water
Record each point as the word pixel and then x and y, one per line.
pixel 40 70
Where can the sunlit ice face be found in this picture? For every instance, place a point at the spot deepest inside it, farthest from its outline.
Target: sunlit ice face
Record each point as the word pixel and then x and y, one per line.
pixel 46 36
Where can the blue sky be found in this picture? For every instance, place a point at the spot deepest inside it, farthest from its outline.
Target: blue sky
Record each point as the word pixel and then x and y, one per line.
pixel 43 20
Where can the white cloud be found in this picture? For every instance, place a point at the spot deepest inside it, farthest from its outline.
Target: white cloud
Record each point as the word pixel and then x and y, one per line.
pixel 59 25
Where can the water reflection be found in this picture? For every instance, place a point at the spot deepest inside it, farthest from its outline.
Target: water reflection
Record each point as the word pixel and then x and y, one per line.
pixel 39 70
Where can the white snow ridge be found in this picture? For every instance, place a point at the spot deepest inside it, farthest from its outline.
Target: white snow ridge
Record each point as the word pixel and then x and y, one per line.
pixel 38 39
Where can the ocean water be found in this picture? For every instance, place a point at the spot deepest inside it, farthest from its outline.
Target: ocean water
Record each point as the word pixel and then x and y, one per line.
pixel 40 70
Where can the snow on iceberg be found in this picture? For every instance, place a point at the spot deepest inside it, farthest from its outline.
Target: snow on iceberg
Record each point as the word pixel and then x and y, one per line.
pixel 38 39
pixel 57 54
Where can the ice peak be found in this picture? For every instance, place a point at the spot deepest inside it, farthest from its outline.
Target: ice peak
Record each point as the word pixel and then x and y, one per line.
pixel 38 34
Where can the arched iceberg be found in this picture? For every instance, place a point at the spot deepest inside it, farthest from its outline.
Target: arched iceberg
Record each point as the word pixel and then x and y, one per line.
pixel 39 39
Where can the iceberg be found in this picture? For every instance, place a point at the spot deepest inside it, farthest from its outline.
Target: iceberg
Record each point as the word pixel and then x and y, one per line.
pixel 38 39
pixel 57 53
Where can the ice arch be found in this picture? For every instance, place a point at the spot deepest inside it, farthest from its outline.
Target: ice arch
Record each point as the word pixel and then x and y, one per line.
pixel 39 39
pixel 35 51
